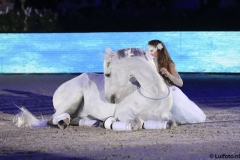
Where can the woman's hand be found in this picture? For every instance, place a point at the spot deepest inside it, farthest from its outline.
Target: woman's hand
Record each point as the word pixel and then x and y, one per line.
pixel 172 75
pixel 165 72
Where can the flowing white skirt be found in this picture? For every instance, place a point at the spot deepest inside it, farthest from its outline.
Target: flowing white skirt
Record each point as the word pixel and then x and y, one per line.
pixel 184 110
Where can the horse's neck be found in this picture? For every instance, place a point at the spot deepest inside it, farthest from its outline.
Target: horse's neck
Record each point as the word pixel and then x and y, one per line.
pixel 129 89
pixel 150 81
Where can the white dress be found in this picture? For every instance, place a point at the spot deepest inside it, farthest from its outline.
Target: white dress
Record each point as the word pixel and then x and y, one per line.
pixel 183 110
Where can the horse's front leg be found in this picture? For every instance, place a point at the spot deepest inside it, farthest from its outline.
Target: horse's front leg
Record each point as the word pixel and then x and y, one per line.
pixel 136 124
pixel 129 116
pixel 127 120
pixel 132 125
pixel 171 123
pixel 65 112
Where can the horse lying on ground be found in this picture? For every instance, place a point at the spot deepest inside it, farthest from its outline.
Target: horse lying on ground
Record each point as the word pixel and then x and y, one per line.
pixel 130 90
pixel 88 95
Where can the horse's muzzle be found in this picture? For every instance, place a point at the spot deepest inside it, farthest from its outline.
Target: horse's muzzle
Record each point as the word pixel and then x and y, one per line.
pixel 113 99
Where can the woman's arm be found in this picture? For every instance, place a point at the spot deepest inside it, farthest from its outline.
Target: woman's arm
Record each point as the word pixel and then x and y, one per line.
pixel 173 75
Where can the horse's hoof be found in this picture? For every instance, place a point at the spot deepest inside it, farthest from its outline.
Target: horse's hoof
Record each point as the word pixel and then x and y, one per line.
pixel 62 124
pixel 171 124
pixel 136 124
pixel 67 121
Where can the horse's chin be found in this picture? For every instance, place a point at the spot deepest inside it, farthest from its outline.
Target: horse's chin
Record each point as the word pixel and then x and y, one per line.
pixel 113 101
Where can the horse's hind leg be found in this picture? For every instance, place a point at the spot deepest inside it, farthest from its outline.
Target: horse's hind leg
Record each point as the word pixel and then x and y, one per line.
pixel 66 111
pixel 75 121
pixel 62 124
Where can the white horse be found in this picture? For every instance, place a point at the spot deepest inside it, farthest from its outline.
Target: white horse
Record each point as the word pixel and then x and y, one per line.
pixel 88 95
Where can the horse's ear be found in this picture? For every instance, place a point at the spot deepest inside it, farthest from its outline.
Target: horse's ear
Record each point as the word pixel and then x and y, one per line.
pixel 108 50
pixel 106 57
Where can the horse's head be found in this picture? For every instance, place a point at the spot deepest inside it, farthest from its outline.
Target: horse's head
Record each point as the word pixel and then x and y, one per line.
pixel 117 74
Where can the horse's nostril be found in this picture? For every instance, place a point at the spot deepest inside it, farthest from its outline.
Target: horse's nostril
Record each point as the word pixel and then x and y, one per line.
pixel 112 99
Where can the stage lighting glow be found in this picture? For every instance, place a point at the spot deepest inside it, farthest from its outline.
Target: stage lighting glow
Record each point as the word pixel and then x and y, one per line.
pixel 216 52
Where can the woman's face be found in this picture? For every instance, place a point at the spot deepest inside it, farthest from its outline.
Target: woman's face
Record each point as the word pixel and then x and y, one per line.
pixel 152 50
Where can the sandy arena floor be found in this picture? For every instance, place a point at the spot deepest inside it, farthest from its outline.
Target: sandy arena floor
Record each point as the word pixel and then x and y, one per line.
pixel 217 95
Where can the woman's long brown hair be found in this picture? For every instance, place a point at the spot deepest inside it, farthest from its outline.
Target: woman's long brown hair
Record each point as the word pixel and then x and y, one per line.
pixel 163 59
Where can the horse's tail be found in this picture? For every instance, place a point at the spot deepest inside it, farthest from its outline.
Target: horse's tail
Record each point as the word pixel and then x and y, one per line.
pixel 26 119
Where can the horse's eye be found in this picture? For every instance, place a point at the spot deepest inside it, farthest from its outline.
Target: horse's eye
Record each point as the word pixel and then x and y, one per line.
pixel 107 75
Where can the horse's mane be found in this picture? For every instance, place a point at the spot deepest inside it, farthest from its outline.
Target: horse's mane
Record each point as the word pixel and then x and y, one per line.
pixel 135 52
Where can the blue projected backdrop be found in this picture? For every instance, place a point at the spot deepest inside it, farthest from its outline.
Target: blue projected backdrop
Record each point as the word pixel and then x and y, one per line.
pixel 79 52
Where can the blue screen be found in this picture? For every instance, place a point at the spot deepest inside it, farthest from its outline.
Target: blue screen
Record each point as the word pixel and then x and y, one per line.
pixel 216 52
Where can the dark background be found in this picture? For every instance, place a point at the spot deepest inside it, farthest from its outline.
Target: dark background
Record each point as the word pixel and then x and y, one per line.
pixel 126 15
